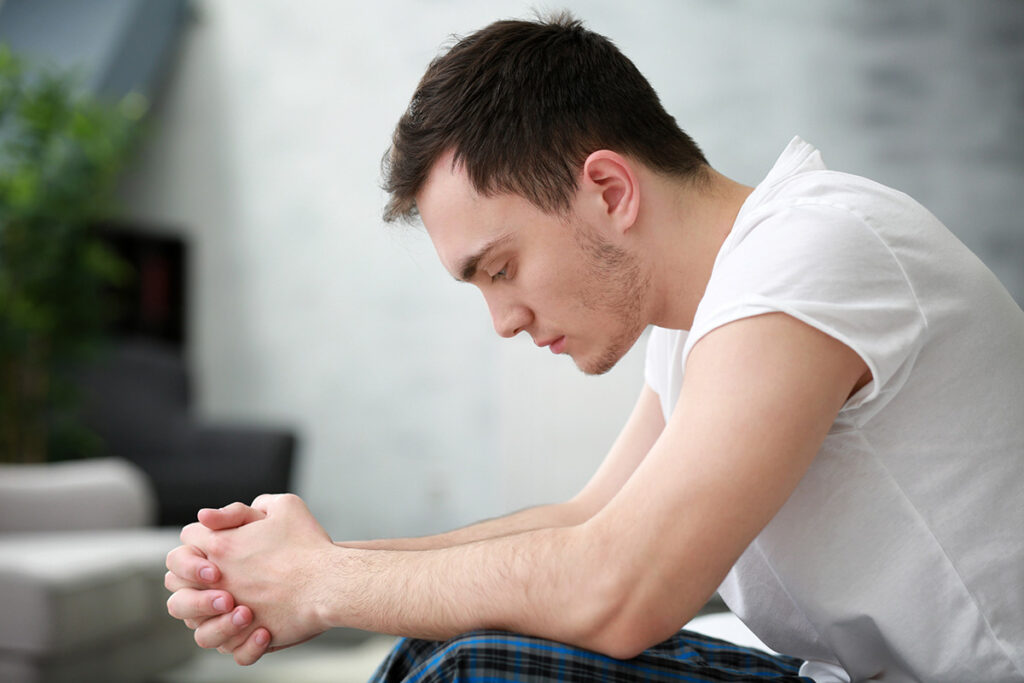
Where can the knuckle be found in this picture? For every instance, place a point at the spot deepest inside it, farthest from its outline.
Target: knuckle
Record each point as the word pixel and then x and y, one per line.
pixel 218 544
pixel 188 532
pixel 262 498
pixel 290 500
pixel 175 556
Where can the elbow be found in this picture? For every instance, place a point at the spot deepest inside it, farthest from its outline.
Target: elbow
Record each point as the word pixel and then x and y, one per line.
pixel 625 597
pixel 622 648
pixel 630 613
pixel 624 637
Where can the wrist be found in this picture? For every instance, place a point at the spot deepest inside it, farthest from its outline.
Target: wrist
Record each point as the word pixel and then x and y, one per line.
pixel 328 586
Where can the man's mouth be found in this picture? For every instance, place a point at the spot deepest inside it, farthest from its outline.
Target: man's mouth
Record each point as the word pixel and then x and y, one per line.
pixel 556 345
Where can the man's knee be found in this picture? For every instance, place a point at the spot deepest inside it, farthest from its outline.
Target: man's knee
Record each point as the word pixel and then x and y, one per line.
pixel 444 660
pixel 474 642
pixel 471 654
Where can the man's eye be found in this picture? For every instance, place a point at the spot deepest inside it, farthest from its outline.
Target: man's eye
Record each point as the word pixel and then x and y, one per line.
pixel 500 275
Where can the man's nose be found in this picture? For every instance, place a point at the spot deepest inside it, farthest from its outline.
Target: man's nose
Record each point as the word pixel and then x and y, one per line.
pixel 509 318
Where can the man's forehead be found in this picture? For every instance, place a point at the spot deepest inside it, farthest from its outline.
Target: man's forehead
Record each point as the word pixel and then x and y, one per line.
pixel 453 214
pixel 446 191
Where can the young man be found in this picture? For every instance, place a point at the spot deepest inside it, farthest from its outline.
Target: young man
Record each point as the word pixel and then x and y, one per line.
pixel 831 433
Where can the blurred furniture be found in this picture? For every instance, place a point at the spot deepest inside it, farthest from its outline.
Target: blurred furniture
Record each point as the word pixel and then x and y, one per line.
pixel 138 391
pixel 136 396
pixel 153 302
pixel 81 576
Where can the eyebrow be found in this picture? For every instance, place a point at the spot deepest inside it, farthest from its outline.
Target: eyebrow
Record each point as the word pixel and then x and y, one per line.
pixel 467 269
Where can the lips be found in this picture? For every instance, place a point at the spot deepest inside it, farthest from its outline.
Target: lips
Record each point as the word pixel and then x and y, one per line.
pixel 556 345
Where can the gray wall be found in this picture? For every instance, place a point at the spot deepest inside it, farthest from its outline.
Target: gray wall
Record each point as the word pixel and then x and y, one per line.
pixel 414 415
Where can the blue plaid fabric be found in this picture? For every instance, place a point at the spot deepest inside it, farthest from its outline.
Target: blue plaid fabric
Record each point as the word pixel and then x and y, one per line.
pixel 497 657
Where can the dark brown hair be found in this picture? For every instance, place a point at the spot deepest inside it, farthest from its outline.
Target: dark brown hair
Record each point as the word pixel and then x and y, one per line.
pixel 523 104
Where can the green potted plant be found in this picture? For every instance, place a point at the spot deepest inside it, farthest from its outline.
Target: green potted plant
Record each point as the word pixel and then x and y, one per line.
pixel 60 153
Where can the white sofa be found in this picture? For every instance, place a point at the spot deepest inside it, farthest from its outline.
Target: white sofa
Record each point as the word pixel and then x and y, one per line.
pixel 81 576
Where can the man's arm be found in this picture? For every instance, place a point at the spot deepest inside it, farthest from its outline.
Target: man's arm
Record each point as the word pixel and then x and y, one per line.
pixel 195 579
pixel 636 438
pixel 758 398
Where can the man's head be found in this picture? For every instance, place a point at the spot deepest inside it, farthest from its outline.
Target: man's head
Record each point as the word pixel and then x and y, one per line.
pixel 572 282
pixel 523 151
pixel 522 105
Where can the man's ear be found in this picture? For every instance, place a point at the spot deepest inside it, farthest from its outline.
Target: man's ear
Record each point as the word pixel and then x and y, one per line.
pixel 610 189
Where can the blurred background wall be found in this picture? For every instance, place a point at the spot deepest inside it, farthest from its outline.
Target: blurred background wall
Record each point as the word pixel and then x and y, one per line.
pixel 413 415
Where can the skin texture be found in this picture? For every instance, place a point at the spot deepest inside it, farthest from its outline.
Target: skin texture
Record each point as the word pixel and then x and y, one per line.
pixel 634 555
pixel 547 275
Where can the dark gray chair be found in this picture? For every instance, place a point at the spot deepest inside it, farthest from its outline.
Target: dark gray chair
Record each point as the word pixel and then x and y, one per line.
pixel 136 397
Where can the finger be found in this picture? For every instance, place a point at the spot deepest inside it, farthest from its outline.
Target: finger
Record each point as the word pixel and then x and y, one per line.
pixel 254 647
pixel 230 516
pixel 263 501
pixel 195 534
pixel 195 623
pixel 233 643
pixel 189 564
pixel 173 582
pixel 279 501
pixel 197 605
pixel 217 632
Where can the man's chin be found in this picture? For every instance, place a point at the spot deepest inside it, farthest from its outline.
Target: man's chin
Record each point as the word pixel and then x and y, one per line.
pixel 597 366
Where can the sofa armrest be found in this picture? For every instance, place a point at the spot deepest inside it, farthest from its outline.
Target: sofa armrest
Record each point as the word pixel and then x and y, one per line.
pixel 101 493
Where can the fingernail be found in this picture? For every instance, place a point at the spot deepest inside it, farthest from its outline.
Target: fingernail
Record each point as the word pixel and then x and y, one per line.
pixel 220 604
pixel 206 573
pixel 262 637
pixel 239 618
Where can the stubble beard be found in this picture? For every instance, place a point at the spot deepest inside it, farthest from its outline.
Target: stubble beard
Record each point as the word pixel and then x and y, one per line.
pixel 617 286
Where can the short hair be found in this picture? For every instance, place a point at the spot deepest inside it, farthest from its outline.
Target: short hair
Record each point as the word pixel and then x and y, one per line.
pixel 523 104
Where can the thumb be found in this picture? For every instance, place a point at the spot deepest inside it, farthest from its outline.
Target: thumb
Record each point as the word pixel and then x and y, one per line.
pixel 230 516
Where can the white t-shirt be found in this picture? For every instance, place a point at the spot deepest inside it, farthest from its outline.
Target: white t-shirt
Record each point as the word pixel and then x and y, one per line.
pixel 900 555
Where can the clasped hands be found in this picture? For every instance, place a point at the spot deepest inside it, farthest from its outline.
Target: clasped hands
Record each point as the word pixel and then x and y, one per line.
pixel 251 579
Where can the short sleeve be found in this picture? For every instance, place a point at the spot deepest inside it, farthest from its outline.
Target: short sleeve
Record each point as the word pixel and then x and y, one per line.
pixel 662 369
pixel 827 267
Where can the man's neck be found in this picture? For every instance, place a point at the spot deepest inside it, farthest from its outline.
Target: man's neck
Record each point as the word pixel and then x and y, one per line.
pixel 686 226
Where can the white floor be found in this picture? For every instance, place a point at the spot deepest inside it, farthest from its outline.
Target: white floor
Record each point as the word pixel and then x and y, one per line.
pixel 314 662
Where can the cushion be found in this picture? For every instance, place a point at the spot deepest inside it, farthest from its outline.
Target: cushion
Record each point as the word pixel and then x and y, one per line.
pixel 76 602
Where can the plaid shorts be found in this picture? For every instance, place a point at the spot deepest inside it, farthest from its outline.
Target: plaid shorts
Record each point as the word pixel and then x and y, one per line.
pixel 496 657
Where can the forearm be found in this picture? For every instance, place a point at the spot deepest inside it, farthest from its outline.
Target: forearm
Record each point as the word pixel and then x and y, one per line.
pixel 542 517
pixel 641 431
pixel 544 582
